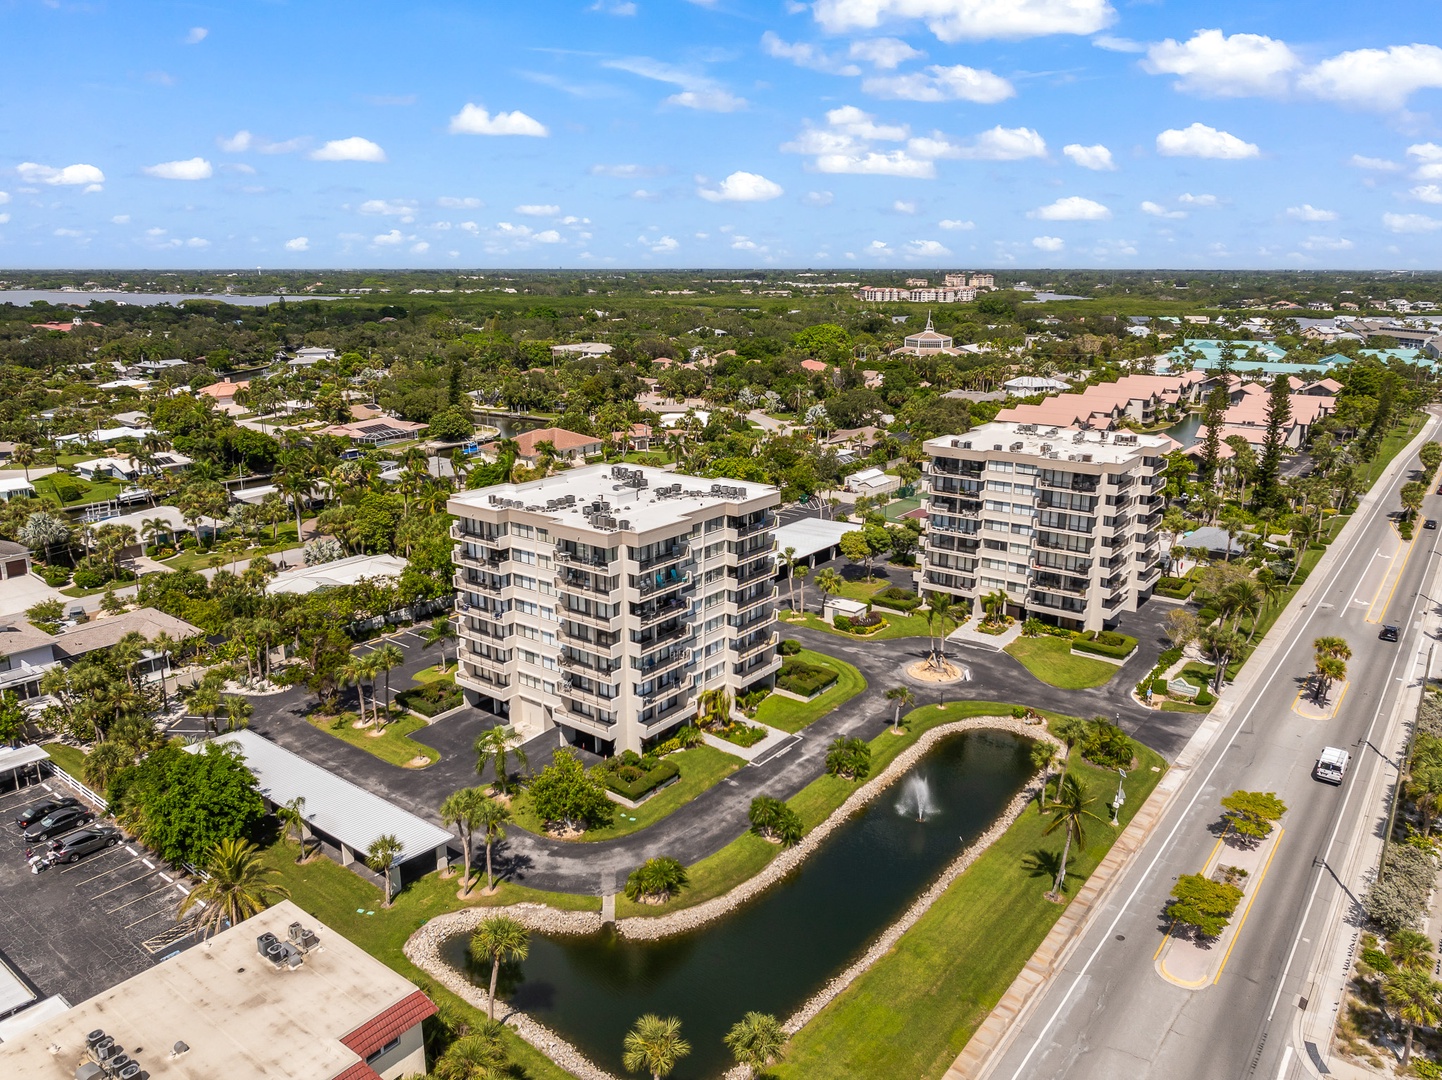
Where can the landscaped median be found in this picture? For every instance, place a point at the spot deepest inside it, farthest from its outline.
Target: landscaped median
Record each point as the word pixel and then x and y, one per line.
pixel 393 743
pixel 1051 660
pixel 791 715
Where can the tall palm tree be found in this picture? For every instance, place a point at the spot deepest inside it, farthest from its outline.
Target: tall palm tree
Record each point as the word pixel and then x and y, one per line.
pixel 943 604
pixel 1043 753
pixel 498 939
pixel 655 1046
pixel 828 583
pixel 154 528
pixel 238 887
pixel 1414 997
pixel 439 632
pixel 789 563
pixel 238 711
pixel 472 1057
pixel 757 1040
pixel 1069 813
pixel 381 856
pixel 460 810
pixel 23 455
pixel 292 817
pixel 495 746
pixel 106 759
pixel 388 656
pixel 904 699
pixel 491 820
pixel 357 672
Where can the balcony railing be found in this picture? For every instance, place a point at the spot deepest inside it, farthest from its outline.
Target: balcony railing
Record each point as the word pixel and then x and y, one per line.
pixel 755 666
pixel 489 540
pixel 579 660
pixel 493 586
pixel 588 618
pixel 753 526
pixel 752 618
pixel 682 705
pixel 575 558
pixel 753 570
pixel 574 581
pixel 651 584
pixel 600 641
pixel 662 662
pixel 671 554
pixel 662 635
pixel 752 644
pixel 656 612
pixel 1084 486
pixel 752 597
pixel 1055 584
pixel 574 715
pixel 1056 603
pixel 572 688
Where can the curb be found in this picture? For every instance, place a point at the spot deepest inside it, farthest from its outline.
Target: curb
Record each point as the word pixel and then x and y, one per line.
pixel 994 1036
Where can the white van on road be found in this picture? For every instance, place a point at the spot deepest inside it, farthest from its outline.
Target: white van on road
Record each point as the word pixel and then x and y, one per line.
pixel 1331 765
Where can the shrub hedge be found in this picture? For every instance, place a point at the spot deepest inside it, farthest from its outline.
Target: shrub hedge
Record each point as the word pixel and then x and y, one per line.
pixel 803 679
pixel 789 647
pixel 897 598
pixel 1105 643
pixel 1176 588
pixel 431 699
pixel 632 781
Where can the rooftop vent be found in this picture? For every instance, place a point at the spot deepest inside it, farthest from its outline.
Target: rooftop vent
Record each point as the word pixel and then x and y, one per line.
pixel 301 938
pixel 1016 446
pixel 178 1049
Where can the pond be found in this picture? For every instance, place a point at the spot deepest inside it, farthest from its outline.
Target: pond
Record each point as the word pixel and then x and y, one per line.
pixel 775 952
pixel 1185 429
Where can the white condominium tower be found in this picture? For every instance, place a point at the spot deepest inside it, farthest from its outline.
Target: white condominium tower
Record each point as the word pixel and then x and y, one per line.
pixel 1064 521
pixel 603 600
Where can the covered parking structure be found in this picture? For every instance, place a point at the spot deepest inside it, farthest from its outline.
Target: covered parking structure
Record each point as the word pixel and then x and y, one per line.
pixel 815 540
pixel 17 763
pixel 347 816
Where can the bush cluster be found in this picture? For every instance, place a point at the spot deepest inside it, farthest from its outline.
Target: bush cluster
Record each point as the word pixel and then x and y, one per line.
pixel 898 598
pixel 803 679
pixel 1107 745
pixel 1398 899
pixel 1105 643
pixel 772 819
pixel 789 647
pixel 633 776
pixel 432 698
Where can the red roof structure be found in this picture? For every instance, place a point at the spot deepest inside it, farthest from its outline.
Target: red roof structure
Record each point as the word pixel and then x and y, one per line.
pixel 376 1032
pixel 359 1071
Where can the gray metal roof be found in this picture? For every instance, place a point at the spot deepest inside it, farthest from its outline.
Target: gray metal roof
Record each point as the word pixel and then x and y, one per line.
pixel 12 759
pixel 810 535
pixel 333 806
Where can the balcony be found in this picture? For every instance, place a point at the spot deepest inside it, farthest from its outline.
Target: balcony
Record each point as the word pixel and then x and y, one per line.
pixel 754 596
pixel 652 584
pixel 652 613
pixel 662 662
pixel 1055 583
pixel 753 618
pixel 959 582
pixel 661 636
pixel 756 666
pixel 1055 603
pixel 483 679
pixel 1084 485
pixel 579 660
pixel 753 525
pixel 1077 567
pixel 583 637
pixel 682 706
pixel 587 584
pixel 492 585
pixel 752 644
pixel 661 693
pixel 601 721
pixel 753 570
pixel 573 689
pixel 671 554
pixel 588 618
pixel 490 540
pixel 572 557
pixel 1070 504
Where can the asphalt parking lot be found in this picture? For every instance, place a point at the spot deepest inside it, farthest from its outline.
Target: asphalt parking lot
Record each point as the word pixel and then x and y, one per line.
pixel 78 929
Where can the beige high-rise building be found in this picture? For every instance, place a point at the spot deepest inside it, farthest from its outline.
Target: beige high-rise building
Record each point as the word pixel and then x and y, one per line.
pixel 603 601
pixel 1063 520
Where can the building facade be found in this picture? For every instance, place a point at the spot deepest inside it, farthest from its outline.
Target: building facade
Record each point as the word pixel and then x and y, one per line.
pixel 603 601
pixel 1063 521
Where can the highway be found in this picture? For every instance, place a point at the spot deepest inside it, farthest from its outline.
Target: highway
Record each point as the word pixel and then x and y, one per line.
pixel 1108 1012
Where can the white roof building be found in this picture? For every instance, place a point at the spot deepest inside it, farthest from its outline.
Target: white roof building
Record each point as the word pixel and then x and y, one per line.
pixel 332 575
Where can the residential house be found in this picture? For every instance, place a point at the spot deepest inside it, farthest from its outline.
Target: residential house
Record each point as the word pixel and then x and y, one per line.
pixel 223 393
pixel 15 487
pixel 14 560
pixel 377 432
pixel 581 350
pixel 570 446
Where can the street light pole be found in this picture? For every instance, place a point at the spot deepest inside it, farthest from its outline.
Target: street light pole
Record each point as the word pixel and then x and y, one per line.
pixel 1121 796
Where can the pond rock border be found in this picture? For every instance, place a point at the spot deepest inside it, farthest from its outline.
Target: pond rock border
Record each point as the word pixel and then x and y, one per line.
pixel 424 946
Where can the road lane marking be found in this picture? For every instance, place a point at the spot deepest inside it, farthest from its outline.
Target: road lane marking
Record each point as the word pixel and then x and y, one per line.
pixel 1250 901
pixel 1145 877
pixel 1401 569
pixel 1286 1060
pixel 1357 596
pixel 1166 937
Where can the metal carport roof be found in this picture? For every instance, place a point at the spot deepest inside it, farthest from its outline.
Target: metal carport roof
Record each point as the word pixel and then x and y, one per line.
pixel 812 535
pixel 333 806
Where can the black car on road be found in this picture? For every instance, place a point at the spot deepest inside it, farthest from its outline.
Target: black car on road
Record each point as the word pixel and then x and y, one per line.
pixel 73 845
pixel 59 821
pixel 1389 633
pixel 1430 523
pixel 35 811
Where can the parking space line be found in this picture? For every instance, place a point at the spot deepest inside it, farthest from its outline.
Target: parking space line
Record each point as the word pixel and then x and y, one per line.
pixel 148 863
pixel 168 878
pixel 117 888
pixel 131 850
pixel 147 918
pixel 84 863
pixel 96 877
pixel 137 900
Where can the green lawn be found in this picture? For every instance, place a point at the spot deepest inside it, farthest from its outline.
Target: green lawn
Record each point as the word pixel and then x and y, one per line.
pixel 76 592
pixel 791 715
pixel 69 758
pixel 898 626
pixel 89 492
pixel 701 767
pixel 747 855
pixel 394 744
pixel 1391 445
pixel 1185 706
pixel 337 897
pixel 912 1013
pixel 1050 659
pixel 430 674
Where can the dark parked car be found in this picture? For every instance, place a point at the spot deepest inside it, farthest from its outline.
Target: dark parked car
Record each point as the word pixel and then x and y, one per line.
pixel 1430 523
pixel 1389 633
pixel 73 845
pixel 59 821
pixel 35 811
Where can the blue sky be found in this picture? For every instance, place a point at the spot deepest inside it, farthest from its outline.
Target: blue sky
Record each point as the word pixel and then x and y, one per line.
pixel 595 133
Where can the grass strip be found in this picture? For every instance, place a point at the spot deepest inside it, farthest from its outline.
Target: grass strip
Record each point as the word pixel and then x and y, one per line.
pixel 791 715
pixel 1050 660
pixel 394 744
pixel 69 758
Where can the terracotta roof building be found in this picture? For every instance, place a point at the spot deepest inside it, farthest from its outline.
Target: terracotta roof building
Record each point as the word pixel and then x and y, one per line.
pixel 570 445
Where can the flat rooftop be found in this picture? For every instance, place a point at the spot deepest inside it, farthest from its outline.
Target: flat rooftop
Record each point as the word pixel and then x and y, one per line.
pixel 1035 440
pixel 239 1015
pixel 634 494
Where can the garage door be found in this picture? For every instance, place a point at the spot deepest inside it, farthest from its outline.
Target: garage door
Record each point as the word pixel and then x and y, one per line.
pixel 15 568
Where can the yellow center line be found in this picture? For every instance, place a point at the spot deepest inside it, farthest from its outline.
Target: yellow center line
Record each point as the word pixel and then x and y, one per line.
pixel 1407 554
pixel 1167 936
pixel 1250 901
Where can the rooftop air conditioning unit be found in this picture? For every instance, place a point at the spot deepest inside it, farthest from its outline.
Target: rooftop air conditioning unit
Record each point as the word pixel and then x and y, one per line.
pixel 93 1038
pixel 303 939
pixel 88 1070
pixel 1016 446
pixel 130 1072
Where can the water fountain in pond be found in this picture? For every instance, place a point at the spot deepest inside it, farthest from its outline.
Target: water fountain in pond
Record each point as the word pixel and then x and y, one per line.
pixel 916 799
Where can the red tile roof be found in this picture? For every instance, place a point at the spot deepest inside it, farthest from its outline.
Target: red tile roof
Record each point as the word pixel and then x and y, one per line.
pixel 359 1071
pixel 376 1032
pixel 563 440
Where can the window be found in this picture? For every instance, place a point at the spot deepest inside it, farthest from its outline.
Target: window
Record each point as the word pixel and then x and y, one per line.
pixel 549 614
pixel 998 507
pixel 521 555
pixel 713 624
pixel 714 550
pixel 376 1055
pixel 1023 467
pixel 987 582
pixel 528 583
pixel 1022 530
pixel 543 534
pixel 715 647
pixel 999 466
pixel 998 485
pixel 714 672
pixel 529 680
pixel 1019 549
pixel 523 530
pixel 526 607
pixel 529 657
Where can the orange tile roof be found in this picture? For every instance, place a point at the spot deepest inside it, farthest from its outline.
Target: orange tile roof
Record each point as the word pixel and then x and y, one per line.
pixel 379 1030
pixel 359 1071
pixel 562 439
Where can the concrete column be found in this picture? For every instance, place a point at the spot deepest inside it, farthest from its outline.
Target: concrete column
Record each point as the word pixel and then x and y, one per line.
pixel 443 859
pixel 347 856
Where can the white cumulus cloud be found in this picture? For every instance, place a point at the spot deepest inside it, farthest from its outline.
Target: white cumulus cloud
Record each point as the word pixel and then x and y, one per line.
pixel 118 219
pixel 474 120
pixel 69 176
pixel 717 100
pixel 1427 193
pixel 299 243
pixel 1097 158
pixel 1072 208
pixel 354 148
pixel 1005 144
pixel 973 20
pixel 1207 201
pixel 1360 161
pixel 660 247
pixel 956 224
pixel 1048 243
pixel 904 206
pixel 1202 141
pixel 1376 78
pixel 1215 65
pixel 1327 243
pixel 197 242
pixel 197 35
pixel 238 143
pixel 420 247
pixel 884 52
pixel 1308 212
pixel 401 208
pixel 927 249
pixel 818 198
pixel 1158 210
pixel 742 187
pixel 538 210
pixel 4 197
pixel 1410 223
pixel 452 202
pixel 937 83
pixel 804 54
pixel 389 239
pixel 196 168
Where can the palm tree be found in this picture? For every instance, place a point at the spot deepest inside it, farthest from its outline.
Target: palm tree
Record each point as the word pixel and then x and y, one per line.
pixel 828 583
pixel 1242 597
pixel 904 699
pixel 655 1046
pixel 460 810
pixel 993 604
pixel 941 603
pixel 757 1040
pixel 357 672
pixel 23 455
pixel 385 658
pixel 788 563
pixel 1411 950
pixel 497 939
pixel 381 856
pixel 292 816
pixel 236 889
pixel 492 822
pixel 154 528
pixel 439 632
pixel 1414 998
pixel 494 745
pixel 1043 753
pixel 106 759
pixel 472 1057
pixel 238 712
pixel 1221 645
pixel 1069 813
pixel 1330 652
